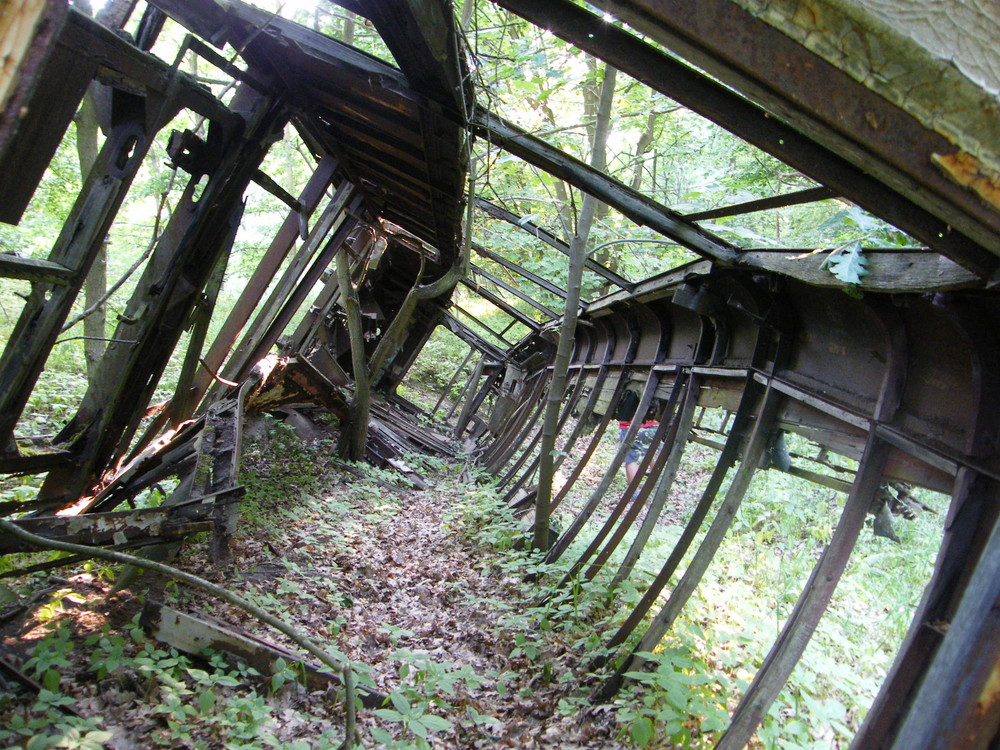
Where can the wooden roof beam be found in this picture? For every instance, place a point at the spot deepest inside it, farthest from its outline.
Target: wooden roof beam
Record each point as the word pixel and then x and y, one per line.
pixel 499 212
pixel 616 194
pixel 885 168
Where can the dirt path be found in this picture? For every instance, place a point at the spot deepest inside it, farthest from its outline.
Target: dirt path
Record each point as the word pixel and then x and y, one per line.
pixel 400 582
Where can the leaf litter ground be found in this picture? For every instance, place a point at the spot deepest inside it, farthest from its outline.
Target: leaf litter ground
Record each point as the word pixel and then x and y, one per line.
pixel 407 584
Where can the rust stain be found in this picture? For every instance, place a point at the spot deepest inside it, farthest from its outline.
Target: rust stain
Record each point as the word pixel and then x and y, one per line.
pixel 966 170
pixel 990 693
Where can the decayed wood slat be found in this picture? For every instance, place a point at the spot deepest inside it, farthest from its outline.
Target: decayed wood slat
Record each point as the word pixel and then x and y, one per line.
pixel 709 545
pixel 916 271
pixel 193 635
pixel 639 489
pixel 33 269
pixel 798 629
pixel 597 495
pixel 118 527
pixel 665 480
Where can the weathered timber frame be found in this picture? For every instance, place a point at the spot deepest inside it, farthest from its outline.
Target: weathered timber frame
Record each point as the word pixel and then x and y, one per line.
pixel 903 381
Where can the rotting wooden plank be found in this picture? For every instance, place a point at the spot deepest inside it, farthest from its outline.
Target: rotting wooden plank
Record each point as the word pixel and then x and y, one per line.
pixel 118 527
pixel 665 481
pixel 798 629
pixel 499 212
pixel 706 551
pixel 242 357
pixel 888 270
pixel 81 237
pixel 597 495
pixel 34 269
pixel 193 635
pixel 38 99
pixel 568 408
pixel 749 403
pixel 640 488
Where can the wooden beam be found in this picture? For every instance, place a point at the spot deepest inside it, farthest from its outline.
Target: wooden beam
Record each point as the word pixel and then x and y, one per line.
pixel 515 291
pixel 98 529
pixel 743 53
pixel 551 240
pixel 889 270
pixel 618 195
pixel 810 195
pixel 34 269
pixel 193 635
pixel 520 270
pixel 422 38
pixel 501 304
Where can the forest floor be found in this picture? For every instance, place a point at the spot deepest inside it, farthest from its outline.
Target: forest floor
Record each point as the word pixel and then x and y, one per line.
pixel 420 590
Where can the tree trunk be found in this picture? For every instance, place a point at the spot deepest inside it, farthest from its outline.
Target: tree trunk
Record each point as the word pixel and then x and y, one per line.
pixel 645 141
pixel 354 435
pixel 567 332
pixel 94 325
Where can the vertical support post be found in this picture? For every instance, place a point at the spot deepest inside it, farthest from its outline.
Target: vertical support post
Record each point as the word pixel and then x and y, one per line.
pixel 956 703
pixel 276 253
pixel 79 242
pixel 451 381
pixel 727 459
pixel 812 603
pixel 665 481
pixel 291 289
pixel 791 643
pixel 637 490
pixel 470 388
pixel 709 545
pixel 652 381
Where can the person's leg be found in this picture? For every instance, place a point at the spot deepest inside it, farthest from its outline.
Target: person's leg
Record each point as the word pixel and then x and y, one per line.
pixel 631 469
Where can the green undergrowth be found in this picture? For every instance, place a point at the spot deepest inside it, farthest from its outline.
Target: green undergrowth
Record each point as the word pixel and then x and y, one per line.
pixel 299 502
pixel 694 678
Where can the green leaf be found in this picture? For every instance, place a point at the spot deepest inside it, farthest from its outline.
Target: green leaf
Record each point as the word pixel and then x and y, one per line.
pixel 713 724
pixel 399 701
pixel 380 735
pixel 206 701
pixel 641 731
pixel 848 263
pixel 389 714
pixel 51 680
pixel 435 723
pixel 418 729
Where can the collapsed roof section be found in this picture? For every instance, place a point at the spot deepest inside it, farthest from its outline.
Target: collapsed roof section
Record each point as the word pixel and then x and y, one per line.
pixel 363 268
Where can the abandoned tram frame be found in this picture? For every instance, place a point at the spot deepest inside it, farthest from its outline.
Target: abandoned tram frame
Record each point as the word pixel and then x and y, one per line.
pixel 903 380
